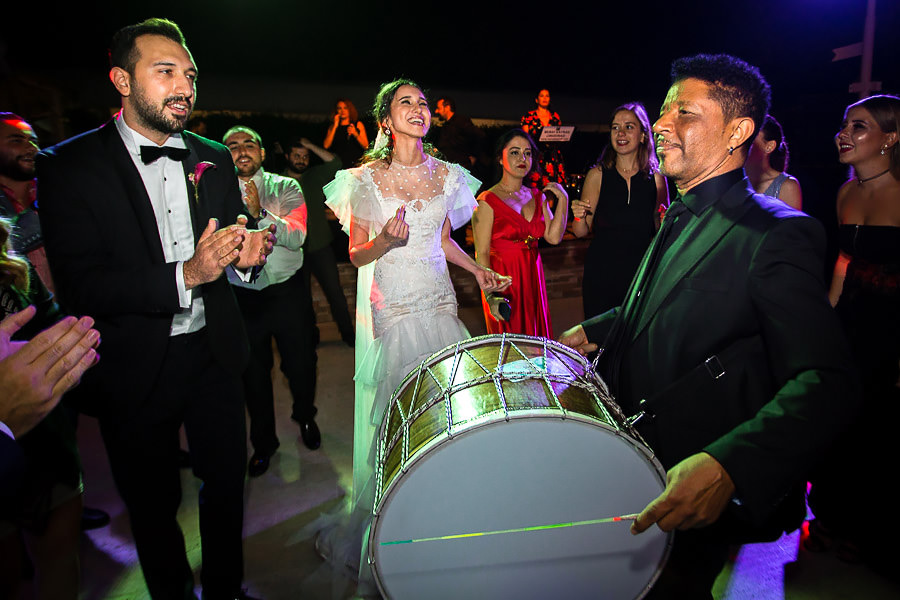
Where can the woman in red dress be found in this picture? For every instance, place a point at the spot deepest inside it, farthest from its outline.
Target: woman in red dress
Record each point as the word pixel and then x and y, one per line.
pixel 509 221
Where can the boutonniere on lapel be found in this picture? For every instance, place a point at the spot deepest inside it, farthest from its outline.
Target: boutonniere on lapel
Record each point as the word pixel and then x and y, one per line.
pixel 194 177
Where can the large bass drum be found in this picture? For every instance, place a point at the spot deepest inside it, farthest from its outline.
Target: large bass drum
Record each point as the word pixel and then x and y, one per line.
pixel 499 434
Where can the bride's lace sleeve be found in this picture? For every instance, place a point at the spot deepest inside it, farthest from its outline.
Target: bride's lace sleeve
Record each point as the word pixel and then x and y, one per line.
pixel 352 196
pixel 459 194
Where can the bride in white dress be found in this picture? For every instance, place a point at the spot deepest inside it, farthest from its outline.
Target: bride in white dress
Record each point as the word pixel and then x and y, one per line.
pixel 398 209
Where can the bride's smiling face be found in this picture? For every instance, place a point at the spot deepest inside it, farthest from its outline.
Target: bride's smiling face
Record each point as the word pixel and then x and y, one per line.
pixel 409 114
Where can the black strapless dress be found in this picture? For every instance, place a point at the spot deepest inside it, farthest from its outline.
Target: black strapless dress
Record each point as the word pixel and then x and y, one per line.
pixel 854 480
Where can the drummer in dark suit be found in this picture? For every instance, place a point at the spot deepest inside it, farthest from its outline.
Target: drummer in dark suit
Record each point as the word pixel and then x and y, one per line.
pixel 726 341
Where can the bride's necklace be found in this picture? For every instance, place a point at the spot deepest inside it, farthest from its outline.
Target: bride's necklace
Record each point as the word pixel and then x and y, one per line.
pixel 860 180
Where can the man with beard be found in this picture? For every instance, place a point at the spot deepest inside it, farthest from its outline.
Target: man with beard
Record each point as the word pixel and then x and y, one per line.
pixel 318 256
pixel 18 191
pixel 277 304
pixel 460 141
pixel 130 214
pixel 726 347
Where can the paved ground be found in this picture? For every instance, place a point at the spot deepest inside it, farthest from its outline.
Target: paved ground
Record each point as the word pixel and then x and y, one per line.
pixel 281 562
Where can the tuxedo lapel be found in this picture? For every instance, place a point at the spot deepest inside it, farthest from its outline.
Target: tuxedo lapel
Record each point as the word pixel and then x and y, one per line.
pixel 134 188
pixel 197 199
pixel 695 242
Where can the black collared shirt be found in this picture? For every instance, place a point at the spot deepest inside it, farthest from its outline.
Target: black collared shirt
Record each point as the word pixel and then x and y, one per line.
pixel 700 198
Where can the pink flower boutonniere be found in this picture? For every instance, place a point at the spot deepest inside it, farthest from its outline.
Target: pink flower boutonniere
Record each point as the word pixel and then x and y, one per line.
pixel 194 177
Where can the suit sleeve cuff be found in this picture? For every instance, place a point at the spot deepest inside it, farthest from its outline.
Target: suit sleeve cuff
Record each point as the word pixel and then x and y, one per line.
pixel 184 294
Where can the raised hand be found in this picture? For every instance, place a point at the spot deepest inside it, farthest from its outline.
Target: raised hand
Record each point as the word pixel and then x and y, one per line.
pixel 251 199
pixel 698 490
pixel 215 251
pixel 556 189
pixel 35 375
pixel 396 232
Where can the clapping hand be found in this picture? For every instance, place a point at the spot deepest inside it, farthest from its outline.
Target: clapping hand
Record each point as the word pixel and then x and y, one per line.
pixel 216 249
pixel 396 232
pixel 35 375
pixel 251 199
pixel 257 245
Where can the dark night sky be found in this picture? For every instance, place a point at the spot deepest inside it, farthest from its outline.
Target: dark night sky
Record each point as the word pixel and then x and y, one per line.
pixel 615 51
pixel 612 51
pixel 623 51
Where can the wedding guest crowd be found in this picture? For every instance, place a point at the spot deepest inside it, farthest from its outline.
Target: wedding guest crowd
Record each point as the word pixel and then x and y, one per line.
pixel 191 259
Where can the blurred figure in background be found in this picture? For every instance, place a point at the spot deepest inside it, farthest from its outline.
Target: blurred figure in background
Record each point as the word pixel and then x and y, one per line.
pixel 552 164
pixel 767 163
pixel 346 134
pixel 318 255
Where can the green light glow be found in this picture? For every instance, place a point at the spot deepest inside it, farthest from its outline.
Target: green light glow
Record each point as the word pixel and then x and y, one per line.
pixel 519 530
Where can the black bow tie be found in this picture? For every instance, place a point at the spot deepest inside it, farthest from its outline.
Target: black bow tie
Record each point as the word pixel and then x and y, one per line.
pixel 151 153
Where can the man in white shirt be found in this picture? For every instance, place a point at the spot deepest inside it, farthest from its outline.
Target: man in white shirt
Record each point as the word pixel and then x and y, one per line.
pixel 277 304
pixel 130 214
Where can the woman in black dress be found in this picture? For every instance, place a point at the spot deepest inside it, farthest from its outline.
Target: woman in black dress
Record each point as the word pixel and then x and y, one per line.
pixel 866 291
pixel 620 204
pixel 346 135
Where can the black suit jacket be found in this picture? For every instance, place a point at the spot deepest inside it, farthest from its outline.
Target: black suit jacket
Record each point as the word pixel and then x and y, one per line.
pixel 746 271
pixel 459 139
pixel 107 260
pixel 12 472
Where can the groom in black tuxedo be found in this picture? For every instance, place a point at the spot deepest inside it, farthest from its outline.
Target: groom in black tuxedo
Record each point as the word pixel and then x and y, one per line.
pixel 726 344
pixel 131 225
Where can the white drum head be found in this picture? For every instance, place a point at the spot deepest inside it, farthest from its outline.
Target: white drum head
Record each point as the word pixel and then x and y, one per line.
pixel 508 475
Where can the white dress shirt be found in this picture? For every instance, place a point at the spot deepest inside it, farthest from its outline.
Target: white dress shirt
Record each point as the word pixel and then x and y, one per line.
pixel 164 181
pixel 283 200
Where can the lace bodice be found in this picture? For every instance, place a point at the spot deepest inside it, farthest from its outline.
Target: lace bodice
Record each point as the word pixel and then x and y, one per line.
pixel 411 279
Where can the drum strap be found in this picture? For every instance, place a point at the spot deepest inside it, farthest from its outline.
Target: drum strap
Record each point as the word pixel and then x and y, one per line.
pixel 714 367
